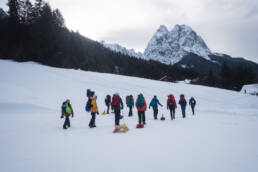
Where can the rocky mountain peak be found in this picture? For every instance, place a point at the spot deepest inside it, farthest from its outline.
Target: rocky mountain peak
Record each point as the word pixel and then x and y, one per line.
pixel 171 46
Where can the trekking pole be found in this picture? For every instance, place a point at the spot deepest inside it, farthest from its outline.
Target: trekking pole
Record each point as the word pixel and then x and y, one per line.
pixel 123 116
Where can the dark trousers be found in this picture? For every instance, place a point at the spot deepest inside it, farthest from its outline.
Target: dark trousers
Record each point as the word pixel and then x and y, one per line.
pixel 130 111
pixel 108 106
pixel 183 111
pixel 92 121
pixel 192 106
pixel 172 112
pixel 67 122
pixel 155 113
pixel 141 116
pixel 117 115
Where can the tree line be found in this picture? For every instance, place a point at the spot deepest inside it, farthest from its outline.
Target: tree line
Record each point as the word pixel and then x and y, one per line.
pixel 36 32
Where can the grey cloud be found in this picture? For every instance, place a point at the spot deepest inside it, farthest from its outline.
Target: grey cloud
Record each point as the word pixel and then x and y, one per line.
pixel 136 38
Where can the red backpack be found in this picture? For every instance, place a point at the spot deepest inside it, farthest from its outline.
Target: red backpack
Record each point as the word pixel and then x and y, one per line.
pixel 116 100
pixel 170 100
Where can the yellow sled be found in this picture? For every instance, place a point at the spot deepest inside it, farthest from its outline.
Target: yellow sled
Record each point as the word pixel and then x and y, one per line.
pixel 121 129
pixel 104 113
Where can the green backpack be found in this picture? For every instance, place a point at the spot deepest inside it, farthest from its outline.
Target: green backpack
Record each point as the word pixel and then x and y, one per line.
pixel 66 108
pixel 140 101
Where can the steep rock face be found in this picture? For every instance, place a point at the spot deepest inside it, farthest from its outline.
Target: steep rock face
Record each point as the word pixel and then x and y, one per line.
pixel 171 46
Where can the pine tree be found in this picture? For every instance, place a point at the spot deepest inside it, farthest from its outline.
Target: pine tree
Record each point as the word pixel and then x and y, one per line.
pixel 58 18
pixel 14 11
pixel 37 10
pixel 211 80
pixel 226 76
pixel 27 12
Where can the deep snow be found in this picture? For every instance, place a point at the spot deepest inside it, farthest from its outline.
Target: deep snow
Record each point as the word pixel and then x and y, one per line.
pixel 223 136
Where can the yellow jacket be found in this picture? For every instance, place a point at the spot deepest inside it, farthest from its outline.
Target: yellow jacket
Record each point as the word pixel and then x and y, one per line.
pixel 94 107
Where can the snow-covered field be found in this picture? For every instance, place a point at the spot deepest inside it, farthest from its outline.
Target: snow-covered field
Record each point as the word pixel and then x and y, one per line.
pixel 223 136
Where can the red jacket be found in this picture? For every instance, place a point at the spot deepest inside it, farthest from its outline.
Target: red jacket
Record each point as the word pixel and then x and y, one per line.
pixel 141 108
pixel 173 100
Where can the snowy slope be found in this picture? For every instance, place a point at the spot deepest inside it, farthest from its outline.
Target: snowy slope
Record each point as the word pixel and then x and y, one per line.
pixel 221 137
pixel 118 48
pixel 250 89
pixel 171 46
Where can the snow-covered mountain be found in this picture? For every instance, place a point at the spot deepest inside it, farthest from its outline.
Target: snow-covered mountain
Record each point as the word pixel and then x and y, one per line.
pixel 123 50
pixel 183 47
pixel 171 46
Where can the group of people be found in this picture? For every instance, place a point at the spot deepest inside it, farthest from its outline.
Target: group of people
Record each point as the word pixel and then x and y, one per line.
pixel 116 105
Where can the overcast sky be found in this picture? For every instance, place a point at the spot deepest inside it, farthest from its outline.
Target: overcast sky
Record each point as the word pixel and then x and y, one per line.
pixel 227 26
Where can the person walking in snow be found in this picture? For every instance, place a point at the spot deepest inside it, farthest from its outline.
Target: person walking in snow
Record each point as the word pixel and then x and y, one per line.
pixel 182 103
pixel 154 103
pixel 130 104
pixel 171 105
pixel 192 102
pixel 117 105
pixel 94 110
pixel 141 107
pixel 108 102
pixel 66 111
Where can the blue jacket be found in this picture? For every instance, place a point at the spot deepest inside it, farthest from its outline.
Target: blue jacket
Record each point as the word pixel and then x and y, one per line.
pixel 154 103
pixel 131 104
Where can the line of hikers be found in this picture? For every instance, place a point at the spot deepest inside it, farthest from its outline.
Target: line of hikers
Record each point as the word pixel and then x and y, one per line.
pixel 117 105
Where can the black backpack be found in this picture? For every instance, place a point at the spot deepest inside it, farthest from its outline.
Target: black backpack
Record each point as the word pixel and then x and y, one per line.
pixel 64 105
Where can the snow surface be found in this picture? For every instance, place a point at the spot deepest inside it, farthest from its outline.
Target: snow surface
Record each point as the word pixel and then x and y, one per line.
pixel 222 137
pixel 250 89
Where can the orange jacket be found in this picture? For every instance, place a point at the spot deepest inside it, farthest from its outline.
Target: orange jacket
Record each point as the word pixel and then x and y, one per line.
pixel 94 108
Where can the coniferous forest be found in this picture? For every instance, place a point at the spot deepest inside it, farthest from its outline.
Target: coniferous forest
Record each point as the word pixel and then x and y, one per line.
pixel 36 32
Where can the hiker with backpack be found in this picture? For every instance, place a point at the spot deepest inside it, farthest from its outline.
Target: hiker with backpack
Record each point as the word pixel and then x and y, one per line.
pixel 117 105
pixel 171 105
pixel 94 110
pixel 192 102
pixel 154 103
pixel 130 104
pixel 182 103
pixel 66 111
pixel 141 107
pixel 108 102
